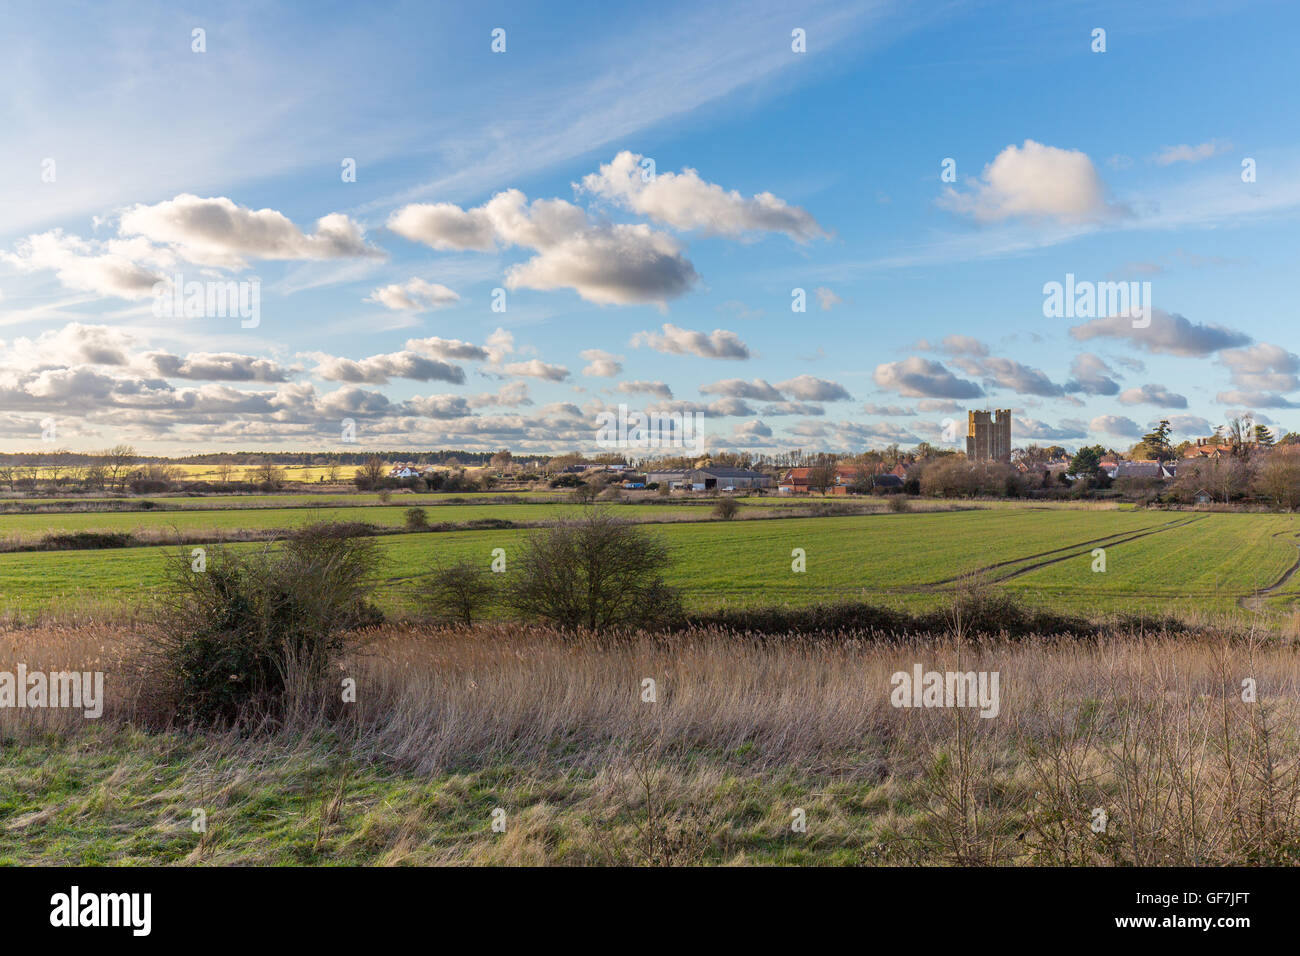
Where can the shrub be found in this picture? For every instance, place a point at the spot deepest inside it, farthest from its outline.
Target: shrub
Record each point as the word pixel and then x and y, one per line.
pixel 593 572
pixel 899 503
pixel 238 635
pixel 86 540
pixel 417 519
pixel 456 593
pixel 726 509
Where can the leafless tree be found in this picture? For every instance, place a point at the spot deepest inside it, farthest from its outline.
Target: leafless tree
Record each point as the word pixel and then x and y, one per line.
pixel 595 572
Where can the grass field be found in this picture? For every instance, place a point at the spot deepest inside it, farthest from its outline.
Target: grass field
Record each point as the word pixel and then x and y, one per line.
pixel 453 726
pixel 231 519
pixel 1155 562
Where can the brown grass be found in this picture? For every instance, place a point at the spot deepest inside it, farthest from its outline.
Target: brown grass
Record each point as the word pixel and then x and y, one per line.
pixel 1153 731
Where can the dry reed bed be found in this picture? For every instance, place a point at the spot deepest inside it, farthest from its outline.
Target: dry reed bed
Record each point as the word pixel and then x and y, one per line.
pixel 1151 730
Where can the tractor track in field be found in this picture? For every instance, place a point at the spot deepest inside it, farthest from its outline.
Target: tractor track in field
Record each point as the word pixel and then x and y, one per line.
pixel 1054 556
pixel 1255 602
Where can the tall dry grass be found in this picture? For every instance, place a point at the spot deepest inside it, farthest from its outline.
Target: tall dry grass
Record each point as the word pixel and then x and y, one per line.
pixel 1153 732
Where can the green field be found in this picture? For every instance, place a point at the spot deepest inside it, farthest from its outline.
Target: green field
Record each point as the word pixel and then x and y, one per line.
pixel 1167 562
pixel 230 519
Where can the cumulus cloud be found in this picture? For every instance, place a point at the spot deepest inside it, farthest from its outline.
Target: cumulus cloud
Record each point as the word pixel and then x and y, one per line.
pixel 613 265
pixel 603 364
pixel 722 408
pixel 1238 396
pixel 1008 373
pixel 1092 376
pixel 719 344
pixel 685 201
pixel 414 295
pixel 1037 182
pixel 746 431
pixel 448 349
pixel 811 389
pixel 1152 395
pixel 513 394
pixel 1189 425
pixel 958 345
pixel 827 299
pixel 216 367
pixel 873 433
pixel 608 264
pixel 109 268
pixel 1190 154
pixel 1168 333
pixel 1116 425
pixel 1032 428
pixel 888 411
pixel 1263 367
pixel 937 405
pixel 74 344
pixel 217 231
pixel 916 377
pixel 758 389
pixel 445 226
pixel 793 408
pixel 657 389
pixel 379 369
pixel 536 368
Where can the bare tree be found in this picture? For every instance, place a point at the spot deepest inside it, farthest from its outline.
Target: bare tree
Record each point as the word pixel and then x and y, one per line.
pixel 1279 478
pixel 371 473
pixel 593 572
pixel 458 592
pixel 118 461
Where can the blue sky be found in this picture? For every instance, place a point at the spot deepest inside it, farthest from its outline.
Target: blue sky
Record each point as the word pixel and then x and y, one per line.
pixel 130 158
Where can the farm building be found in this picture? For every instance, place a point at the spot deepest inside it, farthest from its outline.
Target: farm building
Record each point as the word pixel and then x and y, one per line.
pixel 797 481
pixel 1139 469
pixel 711 478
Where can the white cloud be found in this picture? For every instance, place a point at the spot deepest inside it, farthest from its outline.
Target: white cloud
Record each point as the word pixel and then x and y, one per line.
pixel 685 201
pixel 719 344
pixel 757 389
pixel 217 367
pixel 535 368
pixel 447 348
pixel 1152 395
pixel 1116 425
pixel 219 232
pixel 1168 333
pixel 827 299
pixel 811 389
pixel 603 364
pixel 1037 182
pixel 1092 376
pixel 416 295
pixel 379 369
pixel 657 389
pixel 916 377
pixel 1190 154
pixel 608 264
pixel 111 268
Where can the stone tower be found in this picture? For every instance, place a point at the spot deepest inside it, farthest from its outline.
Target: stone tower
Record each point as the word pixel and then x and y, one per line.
pixel 988 436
